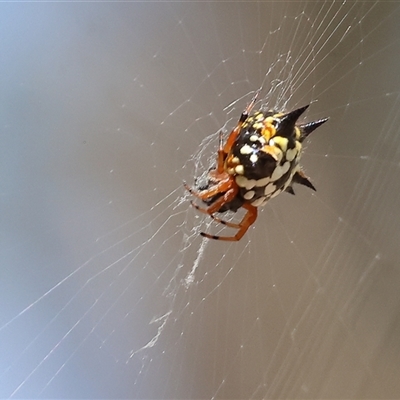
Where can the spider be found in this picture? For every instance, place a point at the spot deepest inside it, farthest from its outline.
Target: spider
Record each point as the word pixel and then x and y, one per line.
pixel 259 160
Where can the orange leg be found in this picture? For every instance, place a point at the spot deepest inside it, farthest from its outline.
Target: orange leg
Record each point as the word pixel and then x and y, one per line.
pixel 221 156
pixel 217 204
pixel 216 219
pixel 232 137
pixel 221 187
pixel 244 225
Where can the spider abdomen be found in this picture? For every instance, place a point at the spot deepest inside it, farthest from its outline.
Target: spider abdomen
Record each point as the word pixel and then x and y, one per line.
pixel 264 158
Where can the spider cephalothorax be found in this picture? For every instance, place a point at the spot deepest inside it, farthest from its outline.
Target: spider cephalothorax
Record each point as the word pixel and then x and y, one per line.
pixel 259 160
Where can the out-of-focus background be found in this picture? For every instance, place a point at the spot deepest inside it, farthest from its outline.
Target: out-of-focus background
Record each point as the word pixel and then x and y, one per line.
pixel 107 290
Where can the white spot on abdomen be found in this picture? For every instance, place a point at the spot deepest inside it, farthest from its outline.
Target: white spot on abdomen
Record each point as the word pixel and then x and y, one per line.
pixel 249 195
pixel 263 182
pixel 254 158
pixel 279 141
pixel 243 182
pixel 276 193
pixel 239 169
pixel 269 189
pixel 291 154
pixel 280 171
pixel 258 202
pixel 246 149
pixel 235 160
pixel 262 140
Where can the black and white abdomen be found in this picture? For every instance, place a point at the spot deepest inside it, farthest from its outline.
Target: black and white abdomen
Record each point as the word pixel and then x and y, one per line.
pixel 264 169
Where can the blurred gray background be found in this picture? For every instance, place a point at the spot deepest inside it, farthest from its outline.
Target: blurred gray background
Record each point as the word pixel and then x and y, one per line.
pixel 107 291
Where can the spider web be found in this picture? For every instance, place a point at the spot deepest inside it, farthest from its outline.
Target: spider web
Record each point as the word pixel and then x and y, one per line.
pixel 107 289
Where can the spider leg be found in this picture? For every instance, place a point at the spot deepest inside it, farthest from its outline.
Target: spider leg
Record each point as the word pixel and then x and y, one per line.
pixel 232 137
pixel 221 156
pixel 245 224
pixel 223 185
pixel 216 219
pixel 217 204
